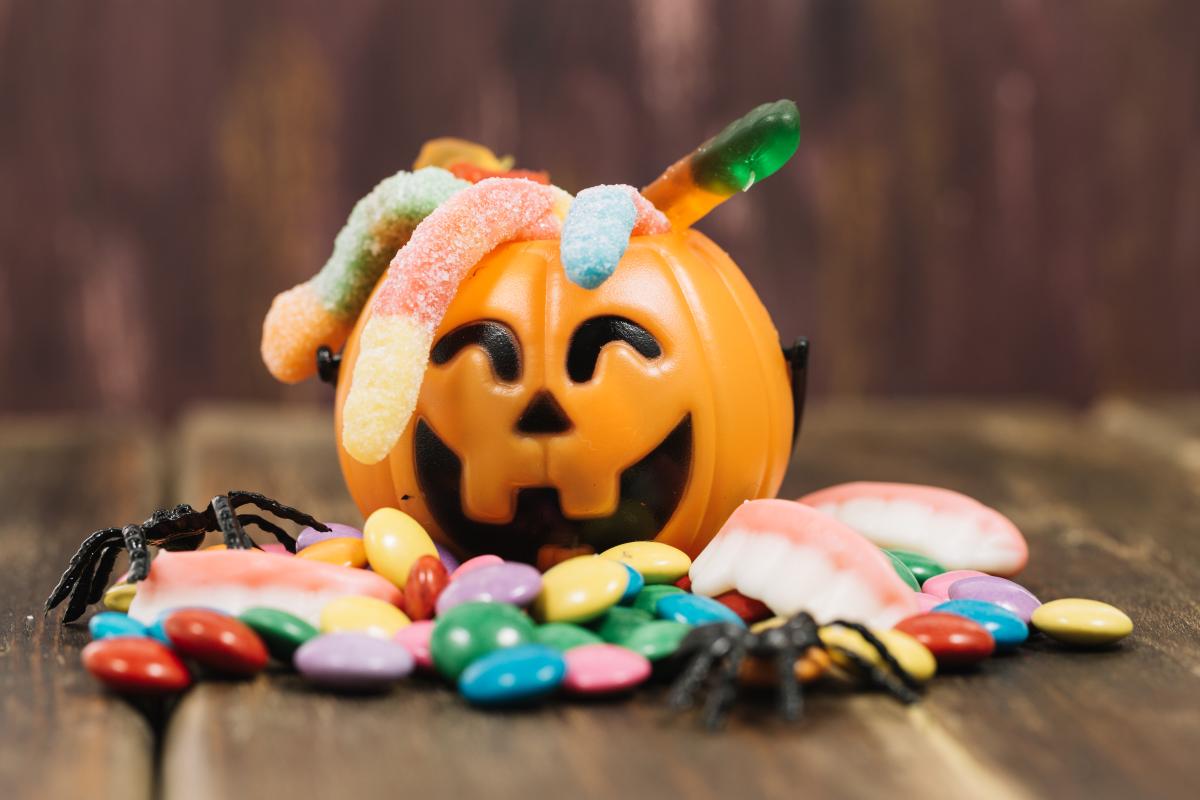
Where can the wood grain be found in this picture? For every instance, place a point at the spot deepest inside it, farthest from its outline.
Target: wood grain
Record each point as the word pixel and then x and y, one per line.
pixel 989 197
pixel 1105 517
pixel 61 735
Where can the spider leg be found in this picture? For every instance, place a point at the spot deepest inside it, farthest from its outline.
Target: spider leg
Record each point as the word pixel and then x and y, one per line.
pixel 878 677
pixel 683 691
pixel 725 686
pixel 279 533
pixel 791 700
pixel 139 555
pixel 239 498
pixel 85 555
pixel 236 537
pixel 79 594
pixel 104 568
pixel 900 672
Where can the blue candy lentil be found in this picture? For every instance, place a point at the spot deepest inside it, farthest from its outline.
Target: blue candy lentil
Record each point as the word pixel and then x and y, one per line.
pixel 1005 627
pixel 694 609
pixel 636 584
pixel 111 623
pixel 513 676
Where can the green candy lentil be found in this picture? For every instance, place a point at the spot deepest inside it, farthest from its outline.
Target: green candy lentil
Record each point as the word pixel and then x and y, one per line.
pixel 619 622
pixel 562 636
pixel 903 571
pixel 922 566
pixel 656 640
pixel 647 599
pixel 748 150
pixel 472 630
pixel 281 632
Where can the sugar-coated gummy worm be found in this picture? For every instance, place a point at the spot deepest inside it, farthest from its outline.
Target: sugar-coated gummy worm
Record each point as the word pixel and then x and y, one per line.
pixel 597 230
pixel 323 310
pixel 747 151
pixel 416 291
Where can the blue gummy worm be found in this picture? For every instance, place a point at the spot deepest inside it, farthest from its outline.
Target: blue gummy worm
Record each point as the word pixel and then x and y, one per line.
pixel 596 233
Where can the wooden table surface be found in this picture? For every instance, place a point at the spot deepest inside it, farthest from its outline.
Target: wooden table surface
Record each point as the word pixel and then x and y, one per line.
pixel 1109 499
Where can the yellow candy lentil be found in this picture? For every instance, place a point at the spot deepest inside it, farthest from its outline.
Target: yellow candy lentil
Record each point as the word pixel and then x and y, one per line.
pixel 393 541
pixel 118 596
pixel 580 589
pixel 368 615
pixel 657 562
pixel 1087 623
pixel 912 656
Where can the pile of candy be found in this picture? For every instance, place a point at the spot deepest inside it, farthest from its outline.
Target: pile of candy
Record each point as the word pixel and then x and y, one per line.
pixel 358 611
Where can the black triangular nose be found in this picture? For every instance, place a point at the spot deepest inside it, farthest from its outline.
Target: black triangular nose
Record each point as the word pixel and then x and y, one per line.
pixel 543 415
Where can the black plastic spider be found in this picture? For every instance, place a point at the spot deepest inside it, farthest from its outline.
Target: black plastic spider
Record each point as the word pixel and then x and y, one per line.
pixel 719 649
pixel 178 528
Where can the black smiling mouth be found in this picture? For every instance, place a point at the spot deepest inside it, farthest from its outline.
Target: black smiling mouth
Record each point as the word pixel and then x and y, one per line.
pixel 650 492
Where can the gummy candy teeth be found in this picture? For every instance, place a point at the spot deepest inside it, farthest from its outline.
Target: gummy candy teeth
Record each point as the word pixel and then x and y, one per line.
pixel 323 310
pixel 416 291
pixel 951 528
pixel 744 153
pixel 597 230
pixel 793 558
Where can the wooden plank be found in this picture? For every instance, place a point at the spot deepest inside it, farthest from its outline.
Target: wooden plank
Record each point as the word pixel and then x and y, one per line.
pixel 1170 425
pixel 1103 521
pixel 61 735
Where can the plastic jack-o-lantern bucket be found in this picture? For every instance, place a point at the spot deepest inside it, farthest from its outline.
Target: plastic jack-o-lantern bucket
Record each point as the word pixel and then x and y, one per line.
pixel 554 419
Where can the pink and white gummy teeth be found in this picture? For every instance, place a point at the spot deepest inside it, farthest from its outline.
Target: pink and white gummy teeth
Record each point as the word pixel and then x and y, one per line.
pixel 794 558
pixel 951 528
pixel 235 580
pixel 416 291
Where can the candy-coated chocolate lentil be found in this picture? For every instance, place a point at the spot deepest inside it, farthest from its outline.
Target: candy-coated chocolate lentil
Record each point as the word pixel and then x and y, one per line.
pixel 470 564
pixel 656 640
pixel 912 656
pixel 394 540
pixel 604 669
pixel 513 676
pixel 1006 628
pixel 580 589
pixel 353 661
pixel 749 609
pixel 311 536
pixel 939 585
pixel 508 582
pixel 764 672
pixel 118 596
pixel 647 599
pixel 427 580
pixel 1087 623
pixel 415 639
pixel 218 641
pixel 619 622
pixel 903 571
pixel 111 623
pixel 564 636
pixel 636 584
pixel 954 640
pixel 361 614
pixel 344 551
pixel 657 562
pixel 449 560
pixel 470 631
pixel 767 624
pixel 692 609
pixel 136 665
pixel 280 631
pixel 1001 591
pixel 922 566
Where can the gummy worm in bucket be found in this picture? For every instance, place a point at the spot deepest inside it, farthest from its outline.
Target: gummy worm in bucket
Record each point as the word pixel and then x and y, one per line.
pixel 597 230
pixel 747 151
pixel 323 310
pixel 416 291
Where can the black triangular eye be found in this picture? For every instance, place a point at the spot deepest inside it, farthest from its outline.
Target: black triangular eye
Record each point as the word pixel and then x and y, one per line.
pixel 495 338
pixel 591 337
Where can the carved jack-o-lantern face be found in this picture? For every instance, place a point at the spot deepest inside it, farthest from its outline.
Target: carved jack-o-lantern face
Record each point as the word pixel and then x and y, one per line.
pixel 555 415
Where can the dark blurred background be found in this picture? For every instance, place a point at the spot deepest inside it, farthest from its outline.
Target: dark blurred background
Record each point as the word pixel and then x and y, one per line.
pixel 990 197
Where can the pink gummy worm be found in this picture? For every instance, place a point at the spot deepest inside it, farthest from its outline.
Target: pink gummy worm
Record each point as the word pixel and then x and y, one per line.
pixel 424 276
